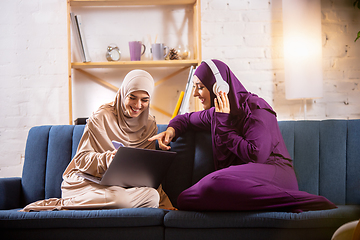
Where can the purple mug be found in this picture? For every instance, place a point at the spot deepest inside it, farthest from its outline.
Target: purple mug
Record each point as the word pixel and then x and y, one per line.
pixel 135 50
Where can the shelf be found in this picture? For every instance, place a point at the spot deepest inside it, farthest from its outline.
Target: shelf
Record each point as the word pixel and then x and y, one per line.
pixel 180 65
pixel 129 2
pixel 130 64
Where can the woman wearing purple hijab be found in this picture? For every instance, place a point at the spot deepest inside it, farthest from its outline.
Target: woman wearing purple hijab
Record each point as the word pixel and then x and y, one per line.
pixel 254 170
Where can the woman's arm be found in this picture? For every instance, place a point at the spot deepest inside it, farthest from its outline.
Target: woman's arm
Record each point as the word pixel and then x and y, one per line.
pixel 90 161
pixel 164 138
pixel 198 121
pixel 254 144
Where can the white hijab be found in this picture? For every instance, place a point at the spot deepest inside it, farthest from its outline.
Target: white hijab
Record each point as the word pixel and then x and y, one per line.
pixel 111 122
pixel 134 130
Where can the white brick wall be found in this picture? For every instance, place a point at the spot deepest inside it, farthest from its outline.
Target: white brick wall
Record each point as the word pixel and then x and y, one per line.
pixel 249 39
pixel 33 70
pixel 246 34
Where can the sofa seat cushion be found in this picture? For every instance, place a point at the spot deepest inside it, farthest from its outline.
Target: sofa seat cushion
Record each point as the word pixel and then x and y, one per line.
pixel 312 219
pixel 132 217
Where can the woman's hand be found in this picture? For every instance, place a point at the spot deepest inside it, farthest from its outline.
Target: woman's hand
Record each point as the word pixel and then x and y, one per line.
pixel 164 138
pixel 113 153
pixel 222 103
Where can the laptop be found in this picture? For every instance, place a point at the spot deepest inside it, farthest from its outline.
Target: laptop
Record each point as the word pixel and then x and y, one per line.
pixel 135 167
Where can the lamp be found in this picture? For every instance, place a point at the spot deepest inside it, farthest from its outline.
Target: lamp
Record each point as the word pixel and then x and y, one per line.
pixel 302 49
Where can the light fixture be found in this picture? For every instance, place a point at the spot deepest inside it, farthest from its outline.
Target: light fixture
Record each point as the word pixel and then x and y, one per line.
pixel 302 49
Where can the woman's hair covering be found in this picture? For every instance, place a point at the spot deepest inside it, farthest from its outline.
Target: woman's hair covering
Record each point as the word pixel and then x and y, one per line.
pixel 241 101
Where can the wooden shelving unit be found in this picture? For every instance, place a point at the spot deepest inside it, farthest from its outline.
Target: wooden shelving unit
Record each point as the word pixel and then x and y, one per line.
pixel 181 64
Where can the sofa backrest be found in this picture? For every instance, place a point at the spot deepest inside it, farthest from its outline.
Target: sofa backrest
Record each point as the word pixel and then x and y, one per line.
pixel 49 150
pixel 193 161
pixel 326 159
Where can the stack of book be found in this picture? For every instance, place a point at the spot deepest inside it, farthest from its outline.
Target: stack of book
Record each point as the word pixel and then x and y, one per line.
pixel 79 37
pixel 182 105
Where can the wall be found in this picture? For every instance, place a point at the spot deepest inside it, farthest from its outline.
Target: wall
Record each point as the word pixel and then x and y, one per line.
pixel 246 34
pixel 33 70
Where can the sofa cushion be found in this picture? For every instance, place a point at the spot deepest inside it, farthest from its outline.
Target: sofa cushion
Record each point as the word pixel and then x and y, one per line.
pixel 313 225
pixel 58 157
pixel 10 189
pixel 333 135
pixel 49 149
pixel 133 217
pixel 180 173
pixel 203 161
pixel 353 163
pixel 311 219
pixel 77 134
pixel 33 175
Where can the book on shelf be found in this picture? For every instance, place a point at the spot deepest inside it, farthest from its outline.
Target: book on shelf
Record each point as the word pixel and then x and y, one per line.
pixel 184 107
pixel 177 107
pixel 82 38
pixel 76 35
pixel 79 37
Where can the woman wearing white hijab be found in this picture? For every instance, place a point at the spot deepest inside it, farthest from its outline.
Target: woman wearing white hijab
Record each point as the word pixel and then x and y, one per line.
pixel 126 120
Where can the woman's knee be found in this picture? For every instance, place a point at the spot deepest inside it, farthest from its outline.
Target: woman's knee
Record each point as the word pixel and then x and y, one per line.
pixel 346 231
pixel 151 198
pixel 142 197
pixel 214 190
pixel 202 191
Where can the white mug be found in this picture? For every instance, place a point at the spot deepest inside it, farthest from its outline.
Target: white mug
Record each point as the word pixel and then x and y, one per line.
pixel 159 51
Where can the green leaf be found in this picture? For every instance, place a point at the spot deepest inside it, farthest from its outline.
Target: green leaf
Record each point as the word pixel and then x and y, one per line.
pixel 358 36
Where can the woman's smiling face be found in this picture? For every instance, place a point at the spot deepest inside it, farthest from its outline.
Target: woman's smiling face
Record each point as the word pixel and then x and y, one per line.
pixel 136 102
pixel 201 92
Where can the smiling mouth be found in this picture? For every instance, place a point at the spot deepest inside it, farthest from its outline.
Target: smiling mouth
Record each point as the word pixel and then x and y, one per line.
pixel 135 110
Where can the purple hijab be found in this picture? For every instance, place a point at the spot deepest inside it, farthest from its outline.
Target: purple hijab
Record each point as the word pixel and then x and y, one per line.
pixel 241 101
pixel 232 133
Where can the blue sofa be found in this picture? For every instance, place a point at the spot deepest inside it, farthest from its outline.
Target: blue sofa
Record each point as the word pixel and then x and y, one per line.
pixel 326 158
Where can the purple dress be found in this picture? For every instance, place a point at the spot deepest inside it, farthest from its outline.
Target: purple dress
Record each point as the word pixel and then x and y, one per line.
pixel 254 170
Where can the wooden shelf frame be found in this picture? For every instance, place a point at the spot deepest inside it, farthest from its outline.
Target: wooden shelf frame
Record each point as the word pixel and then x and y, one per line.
pixel 182 64
pixel 83 3
pixel 131 64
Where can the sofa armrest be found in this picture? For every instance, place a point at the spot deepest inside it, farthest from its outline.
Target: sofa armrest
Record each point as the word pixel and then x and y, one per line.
pixel 10 189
